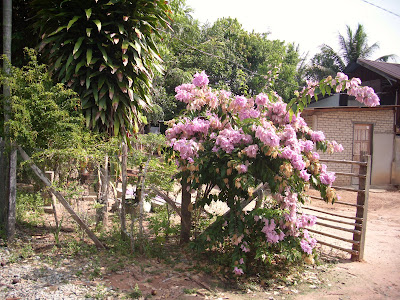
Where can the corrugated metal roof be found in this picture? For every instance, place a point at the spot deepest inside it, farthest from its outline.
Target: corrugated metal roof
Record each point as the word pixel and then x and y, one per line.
pixel 390 69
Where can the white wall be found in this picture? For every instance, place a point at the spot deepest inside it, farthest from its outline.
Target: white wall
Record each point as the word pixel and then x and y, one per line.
pixel 396 162
pixel 382 158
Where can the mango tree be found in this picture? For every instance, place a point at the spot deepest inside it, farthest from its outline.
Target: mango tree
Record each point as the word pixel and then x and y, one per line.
pixel 105 51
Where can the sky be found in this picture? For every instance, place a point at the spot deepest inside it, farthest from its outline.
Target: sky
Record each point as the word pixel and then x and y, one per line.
pixel 310 23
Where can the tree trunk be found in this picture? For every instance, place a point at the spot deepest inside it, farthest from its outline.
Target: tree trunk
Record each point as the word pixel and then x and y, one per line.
pixel 12 193
pixel 124 184
pixel 3 178
pixel 12 179
pixel 101 213
pixel 186 215
pixel 141 212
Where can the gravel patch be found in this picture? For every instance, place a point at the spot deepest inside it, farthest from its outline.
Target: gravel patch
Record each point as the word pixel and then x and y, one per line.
pixel 34 278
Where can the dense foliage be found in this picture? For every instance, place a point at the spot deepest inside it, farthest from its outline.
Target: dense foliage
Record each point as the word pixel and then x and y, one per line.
pixel 234 59
pixel 105 51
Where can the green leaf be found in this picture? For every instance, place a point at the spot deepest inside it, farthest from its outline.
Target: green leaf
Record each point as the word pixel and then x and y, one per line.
pixel 103 51
pixel 87 82
pixel 103 117
pixel 116 126
pixel 73 20
pixel 88 117
pixel 78 45
pixel 95 94
pixel 58 30
pixel 69 60
pixel 58 62
pixel 98 24
pixel 79 65
pixel 121 29
pixel 301 106
pixel 88 13
pixel 101 82
pixel 88 31
pixel 103 103
pixel 89 53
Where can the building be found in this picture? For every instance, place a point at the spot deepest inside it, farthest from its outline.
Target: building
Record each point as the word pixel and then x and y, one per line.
pixel 370 130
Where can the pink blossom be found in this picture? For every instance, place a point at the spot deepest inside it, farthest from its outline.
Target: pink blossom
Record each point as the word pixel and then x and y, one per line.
pixel 241 261
pixel 262 99
pixel 305 246
pixel 306 146
pixel 238 271
pixel 267 136
pixel 317 136
pixel 251 151
pixel 307 243
pixel 327 178
pixel 244 247
pixel 241 169
pixel 306 221
pixel 297 162
pixel 304 175
pixel 287 153
pixel 240 101
pixel 200 79
pixel 337 147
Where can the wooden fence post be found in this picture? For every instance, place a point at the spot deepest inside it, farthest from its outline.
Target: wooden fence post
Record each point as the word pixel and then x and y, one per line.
pixel 362 210
pixel 50 176
pixel 60 198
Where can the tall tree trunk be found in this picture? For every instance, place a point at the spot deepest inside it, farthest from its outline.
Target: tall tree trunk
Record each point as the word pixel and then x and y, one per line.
pixel 124 184
pixel 3 178
pixel 101 213
pixel 186 214
pixel 12 178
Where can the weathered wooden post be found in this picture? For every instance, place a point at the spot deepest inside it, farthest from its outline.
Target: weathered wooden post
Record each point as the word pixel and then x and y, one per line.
pixel 50 176
pixel 362 208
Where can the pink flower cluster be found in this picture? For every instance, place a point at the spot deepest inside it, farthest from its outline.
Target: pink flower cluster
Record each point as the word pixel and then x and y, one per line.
pixel 270 233
pixel 308 243
pixel 326 177
pixel 228 139
pixel 363 94
pixel 187 149
pixel 200 79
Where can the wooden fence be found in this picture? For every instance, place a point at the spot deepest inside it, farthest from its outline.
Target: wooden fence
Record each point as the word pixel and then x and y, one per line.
pixel 345 230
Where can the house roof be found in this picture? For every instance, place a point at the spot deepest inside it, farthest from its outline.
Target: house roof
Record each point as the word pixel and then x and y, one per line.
pixel 383 68
pixel 311 110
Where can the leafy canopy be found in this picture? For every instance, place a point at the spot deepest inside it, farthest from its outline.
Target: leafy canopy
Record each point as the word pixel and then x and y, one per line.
pixel 105 51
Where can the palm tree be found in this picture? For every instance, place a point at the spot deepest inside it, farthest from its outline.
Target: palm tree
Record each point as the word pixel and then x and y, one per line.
pixel 352 46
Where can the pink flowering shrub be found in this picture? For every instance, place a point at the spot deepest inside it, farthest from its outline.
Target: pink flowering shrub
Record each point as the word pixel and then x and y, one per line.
pixel 237 144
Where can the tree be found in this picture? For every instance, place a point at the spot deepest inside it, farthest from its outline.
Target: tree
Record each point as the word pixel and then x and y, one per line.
pixel 105 51
pixel 9 194
pixel 234 59
pixel 351 47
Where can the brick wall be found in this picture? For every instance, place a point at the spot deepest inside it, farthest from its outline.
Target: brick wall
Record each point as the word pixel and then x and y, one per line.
pixel 338 125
